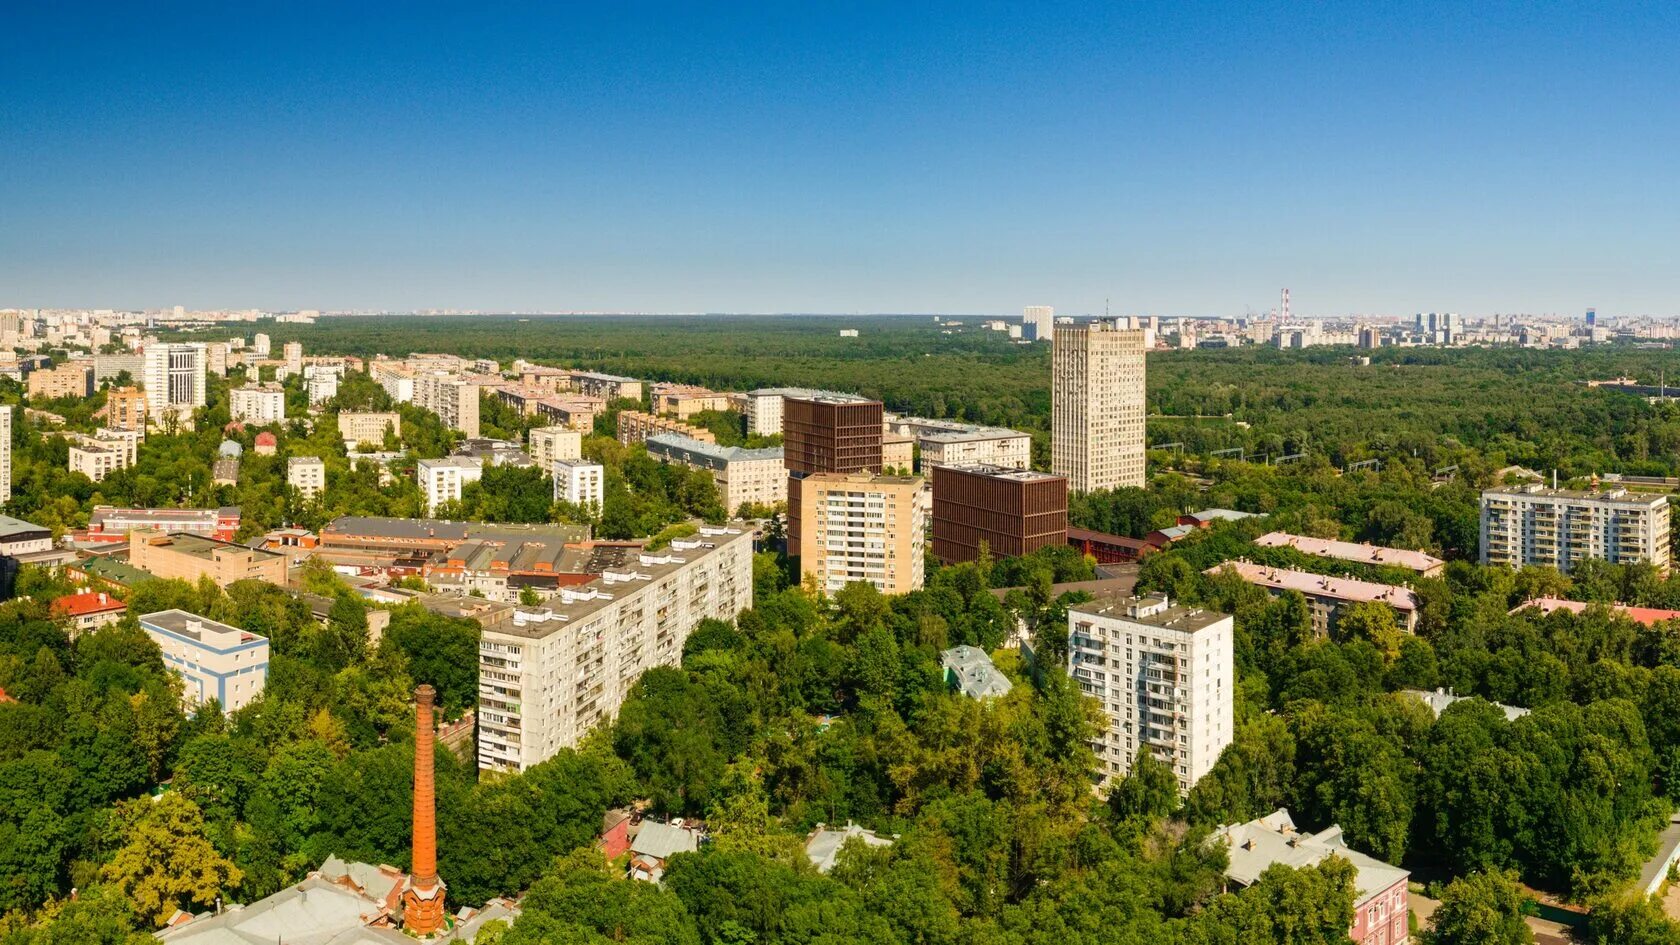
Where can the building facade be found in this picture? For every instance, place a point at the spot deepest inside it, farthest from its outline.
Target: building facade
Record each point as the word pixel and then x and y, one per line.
pixel 257 404
pixel 1097 406
pixel 307 474
pixel 125 409
pixel 1327 595
pixel 441 480
pixel 214 660
pixel 190 557
pixel 634 426
pixel 357 428
pixel 107 524
pixel 1381 906
pixel 1559 528
pixel 743 476
pixel 548 444
pixel 66 380
pixel 552 674
pixel 1165 676
pixel 862 527
pixel 951 443
pixel 1011 512
pixel 453 399
pixel 826 433
pixel 579 482
pixel 174 382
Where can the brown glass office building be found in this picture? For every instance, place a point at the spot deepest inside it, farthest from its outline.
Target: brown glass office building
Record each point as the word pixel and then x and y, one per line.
pixel 1013 511
pixel 826 433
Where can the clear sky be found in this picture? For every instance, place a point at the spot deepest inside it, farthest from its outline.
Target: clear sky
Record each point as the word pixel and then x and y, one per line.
pixel 1186 158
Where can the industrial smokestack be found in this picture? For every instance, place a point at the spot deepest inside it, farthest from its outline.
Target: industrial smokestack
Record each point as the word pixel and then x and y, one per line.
pixel 423 908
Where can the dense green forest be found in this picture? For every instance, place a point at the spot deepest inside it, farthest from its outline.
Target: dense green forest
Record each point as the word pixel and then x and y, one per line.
pixel 1504 405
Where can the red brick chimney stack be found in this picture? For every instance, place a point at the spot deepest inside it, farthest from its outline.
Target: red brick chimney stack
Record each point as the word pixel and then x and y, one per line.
pixel 423 908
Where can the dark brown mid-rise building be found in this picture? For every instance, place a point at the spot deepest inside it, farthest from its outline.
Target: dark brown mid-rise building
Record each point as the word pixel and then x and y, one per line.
pixel 1013 511
pixel 826 433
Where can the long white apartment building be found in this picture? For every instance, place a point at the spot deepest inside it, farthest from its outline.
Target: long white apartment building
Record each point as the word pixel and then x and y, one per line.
pixel 214 660
pixel 551 674
pixel 441 480
pixel 742 475
pixel 395 377
pixel 954 443
pixel 1531 524
pixel 257 403
pixel 1097 406
pixel 1165 676
pixel 103 453
pixel 579 482
pixel 453 399
pixel 547 444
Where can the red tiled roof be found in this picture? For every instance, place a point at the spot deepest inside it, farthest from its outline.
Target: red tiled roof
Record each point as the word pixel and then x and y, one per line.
pixel 1643 615
pixel 89 602
pixel 266 438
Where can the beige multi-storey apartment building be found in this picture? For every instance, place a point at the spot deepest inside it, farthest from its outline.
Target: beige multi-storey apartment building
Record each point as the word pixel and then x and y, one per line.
pixel 357 428
pixel 609 387
pixel 257 403
pixel 551 674
pixel 1531 524
pixel 125 409
pixel 306 474
pixel 453 399
pixel 1097 406
pixel 1165 676
pixel 547 444
pixel 685 400
pixel 66 380
pixel 635 426
pixel 862 527
pixel 742 475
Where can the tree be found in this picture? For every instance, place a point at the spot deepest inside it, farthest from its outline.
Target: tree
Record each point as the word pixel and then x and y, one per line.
pixel 1149 791
pixel 1482 909
pixel 165 861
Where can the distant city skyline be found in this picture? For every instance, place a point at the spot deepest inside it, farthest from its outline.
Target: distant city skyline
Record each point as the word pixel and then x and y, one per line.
pixel 1176 160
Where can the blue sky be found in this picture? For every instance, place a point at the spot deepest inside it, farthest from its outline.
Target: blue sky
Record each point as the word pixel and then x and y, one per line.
pixel 1176 159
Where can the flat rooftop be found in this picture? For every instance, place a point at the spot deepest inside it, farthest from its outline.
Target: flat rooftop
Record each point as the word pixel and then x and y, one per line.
pixel 1151 610
pixel 708 454
pixel 194 627
pixel 200 546
pixel 1002 472
pixel 1607 496
pixel 830 397
pixel 574 605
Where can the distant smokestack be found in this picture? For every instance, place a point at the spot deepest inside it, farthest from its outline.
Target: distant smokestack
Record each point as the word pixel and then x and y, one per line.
pixel 423 909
